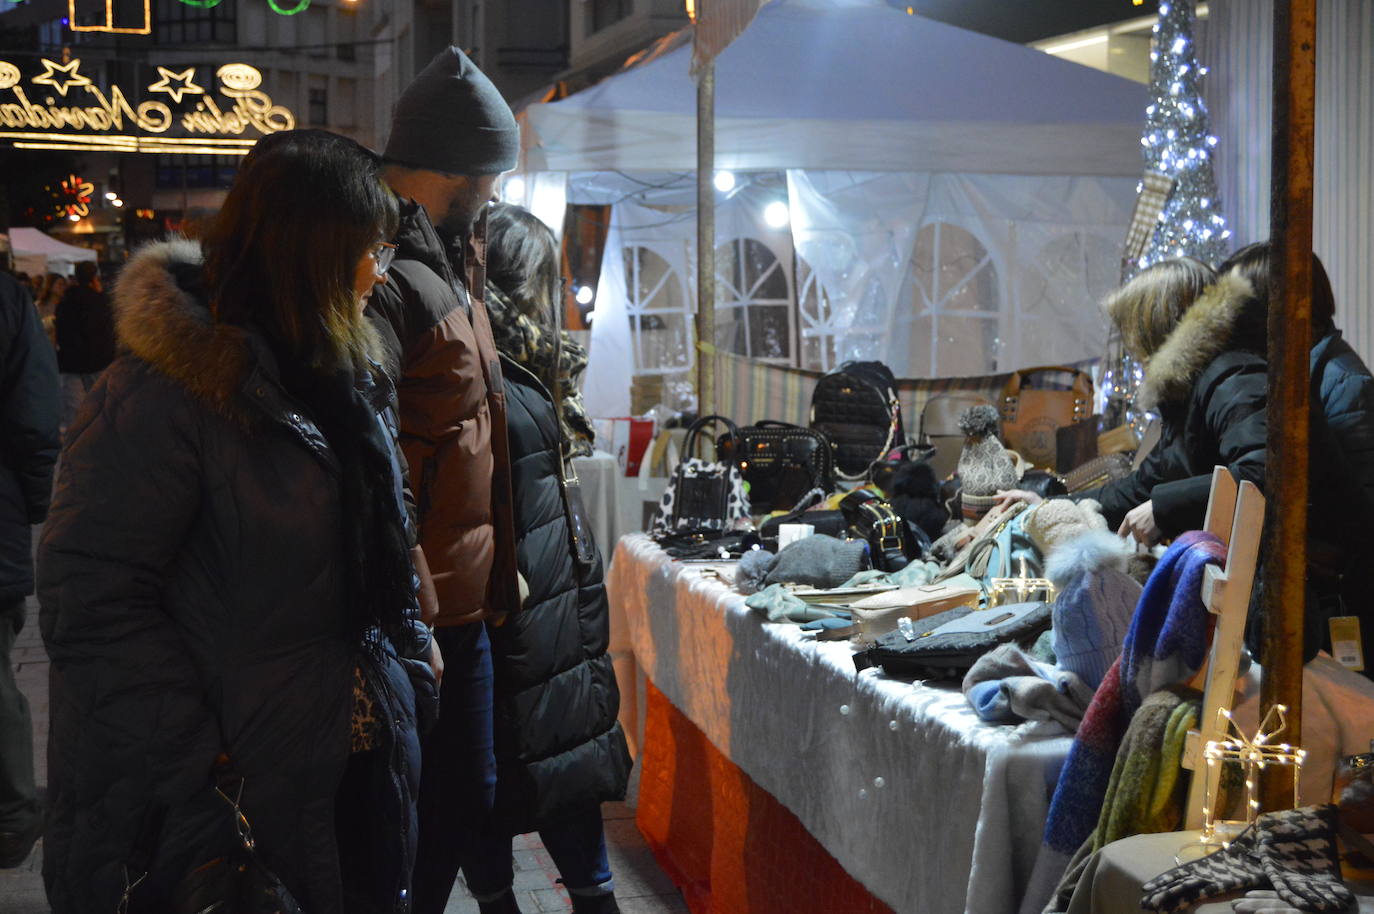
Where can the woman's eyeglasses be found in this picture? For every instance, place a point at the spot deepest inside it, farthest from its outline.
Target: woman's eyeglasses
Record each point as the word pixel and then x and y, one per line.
pixel 384 253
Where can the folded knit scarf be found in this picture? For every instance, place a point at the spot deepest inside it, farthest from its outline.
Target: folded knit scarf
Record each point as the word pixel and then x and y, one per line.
pixel 1166 643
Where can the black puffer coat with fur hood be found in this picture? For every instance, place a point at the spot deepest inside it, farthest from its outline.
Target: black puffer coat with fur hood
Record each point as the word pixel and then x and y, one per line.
pixel 191 579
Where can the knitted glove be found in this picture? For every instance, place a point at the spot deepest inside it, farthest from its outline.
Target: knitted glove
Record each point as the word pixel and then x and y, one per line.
pixel 1297 851
pixel 1231 869
pixel 1263 901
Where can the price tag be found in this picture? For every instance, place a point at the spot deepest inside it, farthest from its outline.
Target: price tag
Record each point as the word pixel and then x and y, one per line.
pixel 1346 645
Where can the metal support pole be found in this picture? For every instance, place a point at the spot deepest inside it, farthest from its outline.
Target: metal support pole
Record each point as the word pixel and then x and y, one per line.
pixel 1290 344
pixel 706 239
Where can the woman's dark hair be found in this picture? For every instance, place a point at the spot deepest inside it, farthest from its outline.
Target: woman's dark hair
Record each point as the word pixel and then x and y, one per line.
pixel 1252 263
pixel 522 258
pixel 283 251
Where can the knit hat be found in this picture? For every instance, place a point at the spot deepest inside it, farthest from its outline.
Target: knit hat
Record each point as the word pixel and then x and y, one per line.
pixel 819 560
pixel 1095 604
pixel 1058 521
pixel 985 467
pixel 452 119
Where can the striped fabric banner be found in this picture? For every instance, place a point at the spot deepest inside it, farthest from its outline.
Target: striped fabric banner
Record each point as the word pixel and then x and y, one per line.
pixel 1238 47
pixel 748 391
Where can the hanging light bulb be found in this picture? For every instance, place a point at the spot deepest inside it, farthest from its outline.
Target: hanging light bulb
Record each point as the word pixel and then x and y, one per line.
pixel 776 214
pixel 725 181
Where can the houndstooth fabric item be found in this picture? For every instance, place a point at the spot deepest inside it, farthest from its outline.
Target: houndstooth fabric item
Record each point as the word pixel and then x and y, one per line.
pixel 1297 851
pixel 1232 869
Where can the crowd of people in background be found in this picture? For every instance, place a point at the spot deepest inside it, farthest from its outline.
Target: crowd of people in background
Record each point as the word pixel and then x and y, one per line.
pixel 314 563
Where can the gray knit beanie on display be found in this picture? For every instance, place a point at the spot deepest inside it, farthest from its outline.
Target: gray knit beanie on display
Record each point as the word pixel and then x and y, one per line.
pixel 453 120
pixel 819 560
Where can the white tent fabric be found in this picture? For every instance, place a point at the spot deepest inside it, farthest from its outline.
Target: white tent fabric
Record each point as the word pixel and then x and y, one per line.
pixel 36 252
pixel 858 87
pixel 957 203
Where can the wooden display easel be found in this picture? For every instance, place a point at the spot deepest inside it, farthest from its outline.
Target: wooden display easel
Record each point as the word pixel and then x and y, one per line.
pixel 1235 515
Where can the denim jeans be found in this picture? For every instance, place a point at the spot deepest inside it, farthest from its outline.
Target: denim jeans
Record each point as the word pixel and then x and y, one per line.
pixel 458 773
pixel 19 812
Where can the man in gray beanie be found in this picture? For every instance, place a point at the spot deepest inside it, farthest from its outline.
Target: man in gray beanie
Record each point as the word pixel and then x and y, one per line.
pixel 452 136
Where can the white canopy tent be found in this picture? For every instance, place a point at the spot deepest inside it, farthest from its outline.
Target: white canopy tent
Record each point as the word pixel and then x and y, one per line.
pixel 36 253
pixel 957 203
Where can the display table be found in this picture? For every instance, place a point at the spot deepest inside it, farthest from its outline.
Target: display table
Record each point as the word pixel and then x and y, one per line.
pixel 926 807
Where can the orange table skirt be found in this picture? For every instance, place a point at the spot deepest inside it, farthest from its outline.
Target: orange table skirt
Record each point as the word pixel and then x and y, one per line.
pixel 726 842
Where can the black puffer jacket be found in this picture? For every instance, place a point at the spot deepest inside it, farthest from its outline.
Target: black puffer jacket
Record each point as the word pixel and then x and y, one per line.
pixel 190 578
pixel 28 434
pixel 559 747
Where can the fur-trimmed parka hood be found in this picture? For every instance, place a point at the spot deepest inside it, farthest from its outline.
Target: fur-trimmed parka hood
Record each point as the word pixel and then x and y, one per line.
pixel 1221 319
pixel 163 318
pixel 170 327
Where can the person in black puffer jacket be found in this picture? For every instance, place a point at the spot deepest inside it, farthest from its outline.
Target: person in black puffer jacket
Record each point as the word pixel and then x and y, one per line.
pixel 28 450
pixel 225 585
pixel 560 751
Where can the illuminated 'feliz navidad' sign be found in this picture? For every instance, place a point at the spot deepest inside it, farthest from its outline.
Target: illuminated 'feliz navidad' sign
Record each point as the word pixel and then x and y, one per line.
pixel 61 108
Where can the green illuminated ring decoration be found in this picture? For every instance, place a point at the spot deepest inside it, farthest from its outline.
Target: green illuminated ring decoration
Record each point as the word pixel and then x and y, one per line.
pixel 291 12
pixel 203 4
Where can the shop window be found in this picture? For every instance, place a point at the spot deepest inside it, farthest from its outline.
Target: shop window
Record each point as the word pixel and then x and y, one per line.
pixel 602 13
pixel 753 302
pixel 174 172
pixel 659 311
pixel 176 23
pixel 953 326
pixel 318 111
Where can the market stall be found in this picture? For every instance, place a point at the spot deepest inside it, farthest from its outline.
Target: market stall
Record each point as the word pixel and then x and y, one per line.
pixel 956 188
pixel 37 253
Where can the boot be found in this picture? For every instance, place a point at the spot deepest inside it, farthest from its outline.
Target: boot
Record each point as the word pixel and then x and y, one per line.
pixel 506 904
pixel 595 904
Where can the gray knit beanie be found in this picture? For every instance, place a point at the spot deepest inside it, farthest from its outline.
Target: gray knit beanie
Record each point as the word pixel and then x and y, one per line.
pixel 452 119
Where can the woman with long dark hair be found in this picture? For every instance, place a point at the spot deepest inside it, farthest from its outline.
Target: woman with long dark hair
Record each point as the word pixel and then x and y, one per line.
pixel 226 587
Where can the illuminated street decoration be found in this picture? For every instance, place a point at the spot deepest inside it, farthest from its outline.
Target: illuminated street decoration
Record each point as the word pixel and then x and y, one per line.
pixel 185 83
pixel 61 76
pixel 75 198
pixel 80 24
pixel 90 119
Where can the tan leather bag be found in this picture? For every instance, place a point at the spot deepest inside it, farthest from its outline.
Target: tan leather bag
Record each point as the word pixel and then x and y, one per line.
pixel 1032 415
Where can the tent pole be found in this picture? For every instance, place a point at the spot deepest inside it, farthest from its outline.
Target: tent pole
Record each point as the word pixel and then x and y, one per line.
pixel 706 239
pixel 1290 344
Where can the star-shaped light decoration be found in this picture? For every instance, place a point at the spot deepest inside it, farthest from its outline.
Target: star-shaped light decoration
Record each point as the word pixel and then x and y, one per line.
pixel 61 76
pixel 177 84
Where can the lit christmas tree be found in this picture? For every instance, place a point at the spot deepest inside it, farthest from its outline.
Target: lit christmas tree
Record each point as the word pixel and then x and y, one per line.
pixel 1179 144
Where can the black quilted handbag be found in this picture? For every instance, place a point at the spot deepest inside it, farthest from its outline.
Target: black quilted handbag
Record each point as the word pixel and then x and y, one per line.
pixel 780 463
pixel 856 407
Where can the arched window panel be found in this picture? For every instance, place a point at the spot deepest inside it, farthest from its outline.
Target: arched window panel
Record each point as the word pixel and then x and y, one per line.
pixel 753 301
pixel 953 325
pixel 1061 319
pixel 659 312
pixel 833 331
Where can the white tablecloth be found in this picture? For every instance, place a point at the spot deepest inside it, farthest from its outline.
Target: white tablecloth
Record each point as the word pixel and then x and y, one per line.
pixel 928 807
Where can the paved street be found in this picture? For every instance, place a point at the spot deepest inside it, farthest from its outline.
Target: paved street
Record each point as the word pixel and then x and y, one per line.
pixel 641 887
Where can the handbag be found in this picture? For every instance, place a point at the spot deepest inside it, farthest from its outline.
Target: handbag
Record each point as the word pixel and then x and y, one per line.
pixel 1032 416
pixel 881 613
pixel 892 542
pixel 779 462
pixel 946 645
pixel 856 407
pixel 236 884
pixel 1098 472
pixel 704 498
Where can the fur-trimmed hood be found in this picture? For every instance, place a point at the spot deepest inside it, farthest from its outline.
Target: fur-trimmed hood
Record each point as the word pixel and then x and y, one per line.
pixel 163 318
pixel 169 327
pixel 1220 317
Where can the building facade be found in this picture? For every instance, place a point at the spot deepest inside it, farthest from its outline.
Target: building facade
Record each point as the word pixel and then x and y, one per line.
pixel 150 105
